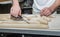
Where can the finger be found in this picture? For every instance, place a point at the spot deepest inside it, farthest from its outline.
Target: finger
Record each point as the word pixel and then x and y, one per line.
pixel 11 10
pixel 49 14
pixel 41 13
pixel 19 13
pixel 46 12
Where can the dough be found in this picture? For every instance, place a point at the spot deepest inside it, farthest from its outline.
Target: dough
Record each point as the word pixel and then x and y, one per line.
pixel 42 21
pixel 46 18
pixel 35 22
pixel 12 22
pixel 51 16
pixel 32 19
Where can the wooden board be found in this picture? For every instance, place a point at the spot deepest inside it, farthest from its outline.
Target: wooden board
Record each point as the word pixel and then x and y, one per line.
pixel 6 22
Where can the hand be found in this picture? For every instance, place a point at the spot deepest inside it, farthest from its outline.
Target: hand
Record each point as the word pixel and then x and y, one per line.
pixel 46 12
pixel 15 10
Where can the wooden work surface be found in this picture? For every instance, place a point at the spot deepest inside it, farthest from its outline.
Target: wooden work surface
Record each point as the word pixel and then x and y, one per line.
pixel 6 22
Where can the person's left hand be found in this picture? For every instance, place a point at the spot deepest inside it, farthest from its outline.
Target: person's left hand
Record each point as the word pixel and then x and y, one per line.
pixel 46 12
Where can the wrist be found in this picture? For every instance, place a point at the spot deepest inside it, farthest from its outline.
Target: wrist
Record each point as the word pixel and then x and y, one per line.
pixel 15 2
pixel 15 5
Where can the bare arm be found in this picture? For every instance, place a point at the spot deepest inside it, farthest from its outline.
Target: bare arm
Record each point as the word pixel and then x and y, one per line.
pixel 15 9
pixel 15 2
pixel 55 5
pixel 48 10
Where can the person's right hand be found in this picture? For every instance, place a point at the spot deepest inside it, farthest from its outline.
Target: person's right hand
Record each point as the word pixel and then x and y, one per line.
pixel 15 10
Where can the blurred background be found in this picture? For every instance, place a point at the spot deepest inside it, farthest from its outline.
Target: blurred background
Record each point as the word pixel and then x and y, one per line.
pixel 26 6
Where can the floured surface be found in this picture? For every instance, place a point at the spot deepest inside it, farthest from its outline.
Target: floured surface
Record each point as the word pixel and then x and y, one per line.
pixel 35 22
pixel 55 23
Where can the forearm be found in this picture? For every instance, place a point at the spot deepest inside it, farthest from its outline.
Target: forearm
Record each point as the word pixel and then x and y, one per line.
pixel 15 2
pixel 55 5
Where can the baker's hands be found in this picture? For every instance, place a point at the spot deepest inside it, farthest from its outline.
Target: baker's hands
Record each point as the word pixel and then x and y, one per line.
pixel 46 12
pixel 15 10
